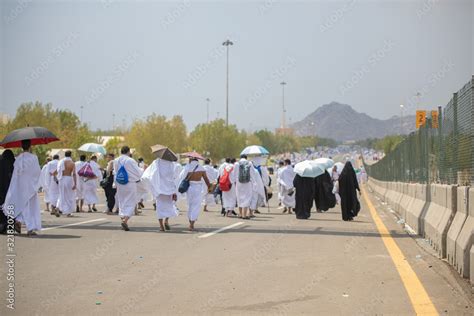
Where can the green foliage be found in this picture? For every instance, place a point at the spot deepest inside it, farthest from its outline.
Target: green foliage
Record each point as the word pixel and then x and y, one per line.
pixel 113 145
pixel 279 144
pixel 218 140
pixel 63 123
pixel 388 143
pixel 156 129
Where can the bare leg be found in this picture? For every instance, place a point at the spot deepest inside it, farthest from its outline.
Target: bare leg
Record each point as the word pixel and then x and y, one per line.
pixel 191 225
pixel 81 205
pixel 245 210
pixel 47 207
pixel 167 224
pixel 125 223
pixel 240 212
pixel 162 227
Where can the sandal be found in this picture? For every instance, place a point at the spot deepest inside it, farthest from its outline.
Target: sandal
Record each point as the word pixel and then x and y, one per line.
pixel 18 227
pixel 125 227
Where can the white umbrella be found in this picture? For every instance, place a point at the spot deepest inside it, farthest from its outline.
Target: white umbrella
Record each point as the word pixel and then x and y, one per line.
pixel 255 150
pixel 325 162
pixel 309 169
pixel 338 165
pixel 93 148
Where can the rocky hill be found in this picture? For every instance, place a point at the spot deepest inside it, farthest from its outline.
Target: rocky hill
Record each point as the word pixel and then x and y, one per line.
pixel 341 122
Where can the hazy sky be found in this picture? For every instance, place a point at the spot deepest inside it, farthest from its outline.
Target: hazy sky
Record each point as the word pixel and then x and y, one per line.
pixel 132 58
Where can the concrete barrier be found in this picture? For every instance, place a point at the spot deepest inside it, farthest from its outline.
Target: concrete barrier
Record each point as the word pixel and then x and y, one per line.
pixel 465 241
pixel 439 216
pixel 398 196
pixel 462 211
pixel 416 208
pixel 407 198
pixel 472 266
pixel 446 220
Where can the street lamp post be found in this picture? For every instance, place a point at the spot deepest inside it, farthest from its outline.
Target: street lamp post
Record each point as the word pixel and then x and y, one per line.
pixel 401 118
pixel 207 101
pixel 227 44
pixel 283 114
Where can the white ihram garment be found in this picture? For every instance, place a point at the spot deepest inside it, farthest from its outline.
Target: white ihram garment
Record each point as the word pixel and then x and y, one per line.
pixel 44 182
pixel 21 201
pixel 286 181
pixel 66 199
pixel 229 198
pixel 194 195
pixel 127 193
pixel 160 178
pixel 212 175
pixel 53 187
pixel 80 181
pixel 245 191
pixel 90 186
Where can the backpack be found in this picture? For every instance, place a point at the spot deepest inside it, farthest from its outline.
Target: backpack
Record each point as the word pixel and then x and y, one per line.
pixel 244 171
pixel 86 171
pixel 224 181
pixel 122 176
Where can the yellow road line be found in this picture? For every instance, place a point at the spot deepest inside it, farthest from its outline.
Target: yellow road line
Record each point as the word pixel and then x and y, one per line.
pixel 420 300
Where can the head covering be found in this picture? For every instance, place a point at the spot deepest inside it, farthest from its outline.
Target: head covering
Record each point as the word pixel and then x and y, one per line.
pixel 6 170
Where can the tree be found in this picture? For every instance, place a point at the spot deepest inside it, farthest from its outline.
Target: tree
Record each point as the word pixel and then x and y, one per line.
pixel 63 123
pixel 217 140
pixel 156 129
pixel 388 143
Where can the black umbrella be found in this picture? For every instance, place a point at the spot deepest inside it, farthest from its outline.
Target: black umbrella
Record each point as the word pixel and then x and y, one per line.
pixel 164 153
pixel 37 135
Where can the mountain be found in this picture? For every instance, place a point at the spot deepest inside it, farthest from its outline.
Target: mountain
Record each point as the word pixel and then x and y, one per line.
pixel 341 122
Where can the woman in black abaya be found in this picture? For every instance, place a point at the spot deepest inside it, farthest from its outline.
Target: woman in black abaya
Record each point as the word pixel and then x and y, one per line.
pixel 348 185
pixel 305 189
pixel 6 170
pixel 324 197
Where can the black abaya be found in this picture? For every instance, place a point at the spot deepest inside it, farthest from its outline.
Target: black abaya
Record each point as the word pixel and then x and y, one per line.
pixel 348 185
pixel 324 197
pixel 7 159
pixel 305 188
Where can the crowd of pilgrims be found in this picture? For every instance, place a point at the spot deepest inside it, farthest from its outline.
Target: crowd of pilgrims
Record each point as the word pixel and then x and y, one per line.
pixel 241 186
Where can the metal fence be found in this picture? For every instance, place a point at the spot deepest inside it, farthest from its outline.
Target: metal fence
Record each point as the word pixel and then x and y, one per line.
pixel 436 155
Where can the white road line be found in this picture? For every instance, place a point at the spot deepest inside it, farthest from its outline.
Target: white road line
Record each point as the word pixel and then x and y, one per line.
pixel 75 224
pixel 220 230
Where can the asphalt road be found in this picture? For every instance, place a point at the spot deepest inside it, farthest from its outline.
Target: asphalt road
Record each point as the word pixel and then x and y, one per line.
pixel 273 265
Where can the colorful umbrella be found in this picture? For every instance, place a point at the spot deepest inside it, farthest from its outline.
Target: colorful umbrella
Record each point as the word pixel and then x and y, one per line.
pixel 37 135
pixel 194 155
pixel 255 150
pixel 93 148
pixel 163 152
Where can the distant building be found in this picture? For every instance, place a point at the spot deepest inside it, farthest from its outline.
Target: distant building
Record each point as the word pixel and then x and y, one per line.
pixel 4 118
pixel 284 131
pixel 104 140
pixel 58 151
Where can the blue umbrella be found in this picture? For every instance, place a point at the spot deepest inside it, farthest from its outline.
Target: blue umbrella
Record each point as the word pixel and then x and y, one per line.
pixel 93 148
pixel 255 150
